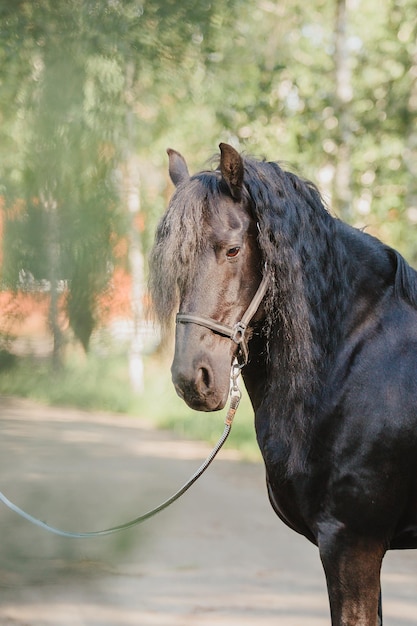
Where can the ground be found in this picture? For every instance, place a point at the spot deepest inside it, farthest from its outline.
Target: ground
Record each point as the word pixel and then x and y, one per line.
pixel 217 557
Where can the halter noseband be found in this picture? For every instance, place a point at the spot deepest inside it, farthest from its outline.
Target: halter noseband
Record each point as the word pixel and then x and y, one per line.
pixel 237 332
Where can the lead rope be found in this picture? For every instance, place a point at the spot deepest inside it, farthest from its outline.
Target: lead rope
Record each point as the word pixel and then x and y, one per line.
pixel 235 396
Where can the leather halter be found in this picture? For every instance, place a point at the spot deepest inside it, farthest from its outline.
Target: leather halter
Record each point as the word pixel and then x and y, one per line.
pixel 237 332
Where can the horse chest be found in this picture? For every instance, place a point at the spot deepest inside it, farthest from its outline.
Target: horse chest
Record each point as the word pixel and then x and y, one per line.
pixel 290 505
pixel 295 496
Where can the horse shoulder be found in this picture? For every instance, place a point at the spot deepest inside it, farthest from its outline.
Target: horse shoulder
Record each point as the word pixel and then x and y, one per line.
pixel 368 434
pixel 384 359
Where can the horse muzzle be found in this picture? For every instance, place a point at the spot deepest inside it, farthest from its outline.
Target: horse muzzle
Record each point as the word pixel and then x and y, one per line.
pixel 198 387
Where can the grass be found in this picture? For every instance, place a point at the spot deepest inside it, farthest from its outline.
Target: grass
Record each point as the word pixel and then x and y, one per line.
pixel 100 382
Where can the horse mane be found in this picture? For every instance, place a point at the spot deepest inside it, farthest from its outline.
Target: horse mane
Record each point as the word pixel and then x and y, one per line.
pixel 298 244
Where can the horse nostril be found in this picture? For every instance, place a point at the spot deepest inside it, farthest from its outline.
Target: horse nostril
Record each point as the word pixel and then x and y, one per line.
pixel 203 379
pixel 206 377
pixel 195 385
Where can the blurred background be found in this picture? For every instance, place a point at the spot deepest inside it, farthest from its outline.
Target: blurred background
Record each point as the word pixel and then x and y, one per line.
pixel 91 95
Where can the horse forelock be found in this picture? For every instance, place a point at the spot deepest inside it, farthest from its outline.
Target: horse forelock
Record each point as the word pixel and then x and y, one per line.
pixel 180 236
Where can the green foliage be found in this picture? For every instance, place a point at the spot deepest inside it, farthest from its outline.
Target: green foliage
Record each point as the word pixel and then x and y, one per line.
pixel 74 74
pixel 7 360
pixel 68 106
pixel 268 86
pixel 87 383
pixel 84 84
pixel 102 384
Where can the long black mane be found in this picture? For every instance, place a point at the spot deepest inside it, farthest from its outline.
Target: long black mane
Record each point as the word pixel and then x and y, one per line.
pixel 307 302
pixel 312 276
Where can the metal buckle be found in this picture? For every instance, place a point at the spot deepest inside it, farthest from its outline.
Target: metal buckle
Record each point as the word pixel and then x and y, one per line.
pixel 238 332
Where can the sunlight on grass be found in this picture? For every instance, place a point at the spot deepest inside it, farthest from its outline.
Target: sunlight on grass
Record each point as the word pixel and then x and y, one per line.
pixel 95 383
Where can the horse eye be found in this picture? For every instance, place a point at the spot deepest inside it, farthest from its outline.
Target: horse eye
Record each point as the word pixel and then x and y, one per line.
pixel 233 252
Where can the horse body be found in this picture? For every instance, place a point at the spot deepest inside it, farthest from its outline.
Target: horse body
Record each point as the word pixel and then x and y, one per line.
pixel 332 360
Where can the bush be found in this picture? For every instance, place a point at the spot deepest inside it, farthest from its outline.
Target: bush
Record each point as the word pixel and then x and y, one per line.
pixel 7 360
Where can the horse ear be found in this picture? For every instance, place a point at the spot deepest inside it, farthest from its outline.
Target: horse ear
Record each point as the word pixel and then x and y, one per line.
pixel 231 167
pixel 178 169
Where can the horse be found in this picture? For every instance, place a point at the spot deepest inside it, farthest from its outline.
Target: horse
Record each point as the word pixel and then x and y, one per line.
pixel 328 357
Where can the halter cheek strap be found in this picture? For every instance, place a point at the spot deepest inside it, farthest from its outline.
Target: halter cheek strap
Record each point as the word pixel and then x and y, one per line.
pixel 236 333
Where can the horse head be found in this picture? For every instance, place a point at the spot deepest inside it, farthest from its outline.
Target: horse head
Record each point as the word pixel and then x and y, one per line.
pixel 207 243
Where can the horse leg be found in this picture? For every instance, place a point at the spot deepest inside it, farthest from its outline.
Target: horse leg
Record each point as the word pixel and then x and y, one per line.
pixel 352 566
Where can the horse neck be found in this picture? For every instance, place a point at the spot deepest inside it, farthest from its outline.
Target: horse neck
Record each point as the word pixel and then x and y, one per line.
pixel 356 273
pixel 369 272
pixel 287 396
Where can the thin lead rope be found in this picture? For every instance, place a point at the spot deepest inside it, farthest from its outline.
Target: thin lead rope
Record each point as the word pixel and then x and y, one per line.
pixel 235 396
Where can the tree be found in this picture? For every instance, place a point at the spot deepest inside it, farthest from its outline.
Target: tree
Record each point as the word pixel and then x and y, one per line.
pixel 88 88
pixel 82 66
pixel 271 89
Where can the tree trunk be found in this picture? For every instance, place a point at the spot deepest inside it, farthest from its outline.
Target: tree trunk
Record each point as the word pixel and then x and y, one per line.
pixel 342 184
pixel 132 191
pixel 53 265
pixel 410 152
pixel 137 273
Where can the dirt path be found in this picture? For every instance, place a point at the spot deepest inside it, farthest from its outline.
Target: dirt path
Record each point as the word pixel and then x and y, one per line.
pixel 218 557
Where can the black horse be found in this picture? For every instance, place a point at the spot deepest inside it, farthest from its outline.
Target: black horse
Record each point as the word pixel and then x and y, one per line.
pixel 332 357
